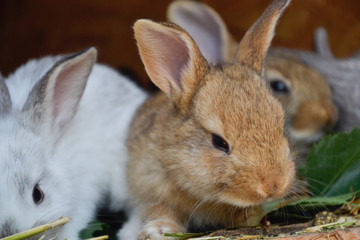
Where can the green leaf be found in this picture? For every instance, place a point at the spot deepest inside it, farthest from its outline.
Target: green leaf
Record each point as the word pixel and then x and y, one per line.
pixel 333 165
pixel 184 235
pixel 312 202
pixel 95 228
pixel 306 208
pixel 324 201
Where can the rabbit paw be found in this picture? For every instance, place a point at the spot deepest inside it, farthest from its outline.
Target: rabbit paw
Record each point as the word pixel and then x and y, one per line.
pixel 155 230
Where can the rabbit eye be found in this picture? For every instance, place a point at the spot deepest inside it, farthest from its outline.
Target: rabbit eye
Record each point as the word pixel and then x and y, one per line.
pixel 279 86
pixel 220 143
pixel 38 195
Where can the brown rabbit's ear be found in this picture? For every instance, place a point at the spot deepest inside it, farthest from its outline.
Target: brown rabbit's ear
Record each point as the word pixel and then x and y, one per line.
pixel 5 100
pixel 256 42
pixel 171 58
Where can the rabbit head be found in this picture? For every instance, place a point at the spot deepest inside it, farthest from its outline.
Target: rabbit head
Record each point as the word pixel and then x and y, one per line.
pixel 306 98
pixel 342 76
pixel 27 189
pixel 303 92
pixel 34 190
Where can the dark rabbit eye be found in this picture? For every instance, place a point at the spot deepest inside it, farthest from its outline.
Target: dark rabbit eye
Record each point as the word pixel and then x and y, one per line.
pixel 38 195
pixel 279 86
pixel 220 143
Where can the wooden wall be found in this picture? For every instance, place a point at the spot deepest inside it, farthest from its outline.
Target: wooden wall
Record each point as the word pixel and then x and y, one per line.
pixel 33 28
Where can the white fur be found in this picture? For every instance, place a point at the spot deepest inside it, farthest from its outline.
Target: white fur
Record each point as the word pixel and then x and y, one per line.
pixel 87 163
pixel 131 228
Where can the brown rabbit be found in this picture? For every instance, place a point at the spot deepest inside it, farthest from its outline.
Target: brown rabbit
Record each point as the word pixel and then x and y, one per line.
pixel 209 149
pixel 303 92
pixel 306 98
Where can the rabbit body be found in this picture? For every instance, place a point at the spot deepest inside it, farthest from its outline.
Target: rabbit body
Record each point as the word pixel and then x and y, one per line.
pixel 173 163
pixel 75 169
pixel 210 148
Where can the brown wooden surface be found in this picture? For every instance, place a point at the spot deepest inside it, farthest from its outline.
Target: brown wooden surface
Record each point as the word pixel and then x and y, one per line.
pixel 350 233
pixel 33 28
pixel 344 234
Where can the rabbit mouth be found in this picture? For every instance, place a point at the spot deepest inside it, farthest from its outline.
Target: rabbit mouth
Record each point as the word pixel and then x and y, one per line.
pixel 236 201
pixel 305 137
pixel 254 198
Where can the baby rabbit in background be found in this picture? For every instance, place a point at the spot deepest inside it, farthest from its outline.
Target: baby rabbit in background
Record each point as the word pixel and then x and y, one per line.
pixel 342 75
pixel 306 98
pixel 210 148
pixel 303 92
pixel 63 126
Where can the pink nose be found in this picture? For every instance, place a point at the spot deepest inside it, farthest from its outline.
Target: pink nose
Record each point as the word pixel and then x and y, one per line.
pixel 267 189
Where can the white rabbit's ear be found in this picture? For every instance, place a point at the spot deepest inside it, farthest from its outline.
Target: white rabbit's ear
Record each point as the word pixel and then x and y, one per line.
pixel 5 100
pixel 322 43
pixel 171 58
pixel 55 98
pixel 205 26
pixel 256 42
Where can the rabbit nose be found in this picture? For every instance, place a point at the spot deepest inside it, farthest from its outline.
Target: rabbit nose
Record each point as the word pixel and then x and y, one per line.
pixel 271 186
pixel 313 116
pixel 266 189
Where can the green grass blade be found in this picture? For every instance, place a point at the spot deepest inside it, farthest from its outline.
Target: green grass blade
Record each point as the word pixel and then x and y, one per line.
pixel 37 230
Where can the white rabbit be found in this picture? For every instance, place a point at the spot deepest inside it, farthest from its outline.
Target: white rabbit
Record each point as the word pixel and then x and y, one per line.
pixel 303 92
pixel 63 126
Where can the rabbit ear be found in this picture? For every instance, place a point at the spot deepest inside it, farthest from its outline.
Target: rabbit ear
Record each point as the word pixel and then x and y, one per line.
pixel 205 26
pixel 256 42
pixel 55 98
pixel 322 43
pixel 171 58
pixel 5 100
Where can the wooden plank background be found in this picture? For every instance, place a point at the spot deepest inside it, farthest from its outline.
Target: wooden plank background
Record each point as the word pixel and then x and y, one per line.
pixel 33 28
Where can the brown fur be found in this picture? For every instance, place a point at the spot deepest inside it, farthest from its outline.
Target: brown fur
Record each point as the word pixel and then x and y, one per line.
pixel 260 41
pixel 171 164
pixel 308 106
pixel 308 110
pixel 175 173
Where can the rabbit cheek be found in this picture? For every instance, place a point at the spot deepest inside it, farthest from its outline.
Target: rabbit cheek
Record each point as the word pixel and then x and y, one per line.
pixel 204 173
pixel 312 119
pixel 220 171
